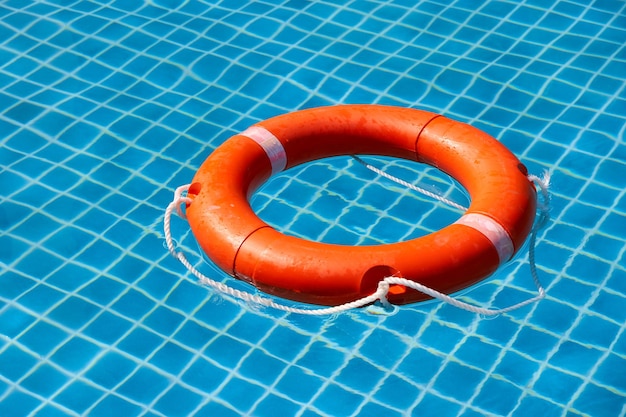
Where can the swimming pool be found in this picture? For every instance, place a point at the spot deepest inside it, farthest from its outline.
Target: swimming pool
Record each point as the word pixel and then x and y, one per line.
pixel 107 106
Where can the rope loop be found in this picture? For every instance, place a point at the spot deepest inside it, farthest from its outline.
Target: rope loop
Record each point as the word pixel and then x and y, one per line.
pixel 380 295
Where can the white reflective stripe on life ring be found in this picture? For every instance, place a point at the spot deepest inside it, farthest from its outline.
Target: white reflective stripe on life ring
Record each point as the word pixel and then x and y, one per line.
pixel 492 231
pixel 272 146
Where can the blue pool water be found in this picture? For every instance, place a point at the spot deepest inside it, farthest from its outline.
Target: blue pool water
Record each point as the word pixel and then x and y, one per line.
pixel 107 106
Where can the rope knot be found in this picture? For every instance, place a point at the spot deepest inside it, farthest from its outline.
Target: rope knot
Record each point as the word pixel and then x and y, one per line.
pixel 180 199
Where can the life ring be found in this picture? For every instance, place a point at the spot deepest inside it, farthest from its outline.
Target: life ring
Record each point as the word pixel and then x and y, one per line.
pixel 500 217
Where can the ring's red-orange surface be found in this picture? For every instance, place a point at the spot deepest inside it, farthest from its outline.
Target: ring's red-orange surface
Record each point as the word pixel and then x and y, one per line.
pixel 448 260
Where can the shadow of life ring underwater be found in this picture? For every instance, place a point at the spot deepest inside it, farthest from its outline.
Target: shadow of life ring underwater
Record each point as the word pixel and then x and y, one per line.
pixel 489 233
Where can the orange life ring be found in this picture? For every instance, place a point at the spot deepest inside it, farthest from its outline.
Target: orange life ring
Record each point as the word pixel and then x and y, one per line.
pixel 500 217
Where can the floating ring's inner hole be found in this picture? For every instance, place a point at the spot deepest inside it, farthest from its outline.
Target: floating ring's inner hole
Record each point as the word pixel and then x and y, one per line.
pixel 338 200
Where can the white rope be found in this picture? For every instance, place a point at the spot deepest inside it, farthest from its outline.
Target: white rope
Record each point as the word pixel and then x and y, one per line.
pixel 175 206
pixel 409 185
pixel 380 295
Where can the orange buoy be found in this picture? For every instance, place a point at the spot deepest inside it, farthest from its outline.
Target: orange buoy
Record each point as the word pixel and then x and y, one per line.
pixel 500 217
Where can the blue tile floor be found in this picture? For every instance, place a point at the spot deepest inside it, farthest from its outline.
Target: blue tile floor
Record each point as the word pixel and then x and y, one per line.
pixel 107 106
